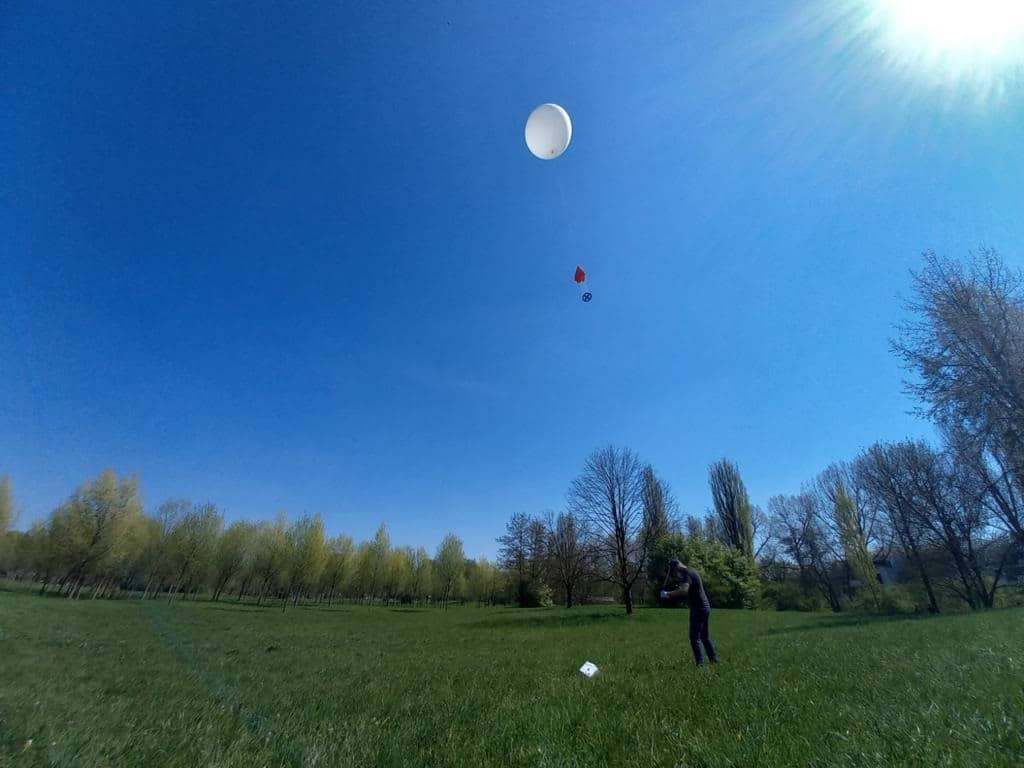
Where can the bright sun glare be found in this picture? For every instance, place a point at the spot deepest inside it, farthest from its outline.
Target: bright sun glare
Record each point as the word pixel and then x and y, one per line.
pixel 973 27
pixel 973 44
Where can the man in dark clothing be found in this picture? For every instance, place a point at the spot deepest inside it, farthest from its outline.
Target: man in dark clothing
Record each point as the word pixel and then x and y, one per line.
pixel 686 582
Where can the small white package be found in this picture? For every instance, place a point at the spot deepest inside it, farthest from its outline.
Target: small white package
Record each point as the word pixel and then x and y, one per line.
pixel 588 669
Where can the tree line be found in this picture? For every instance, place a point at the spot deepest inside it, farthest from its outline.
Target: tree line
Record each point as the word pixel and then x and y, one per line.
pixel 908 524
pixel 100 543
pixel 902 526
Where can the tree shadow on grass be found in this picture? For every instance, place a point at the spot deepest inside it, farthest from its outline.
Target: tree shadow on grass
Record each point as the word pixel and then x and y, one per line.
pixel 537 620
pixel 845 621
pixel 321 608
pixel 238 608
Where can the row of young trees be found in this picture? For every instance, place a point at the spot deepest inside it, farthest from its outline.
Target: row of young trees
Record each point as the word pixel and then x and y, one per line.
pixel 100 543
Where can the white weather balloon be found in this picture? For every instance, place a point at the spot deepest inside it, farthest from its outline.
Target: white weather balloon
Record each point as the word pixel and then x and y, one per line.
pixel 548 131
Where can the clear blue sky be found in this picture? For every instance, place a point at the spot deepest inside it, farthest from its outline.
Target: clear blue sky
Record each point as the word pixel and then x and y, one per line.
pixel 297 256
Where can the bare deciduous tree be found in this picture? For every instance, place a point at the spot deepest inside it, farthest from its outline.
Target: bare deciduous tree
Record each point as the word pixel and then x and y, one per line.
pixel 514 549
pixel 948 506
pixel 537 550
pixel 965 343
pixel 805 539
pixel 881 473
pixel 570 548
pixel 608 496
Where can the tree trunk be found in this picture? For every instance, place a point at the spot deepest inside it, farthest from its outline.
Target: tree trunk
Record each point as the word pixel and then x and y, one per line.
pixel 933 603
pixel 961 567
pixel 910 550
pixel 627 598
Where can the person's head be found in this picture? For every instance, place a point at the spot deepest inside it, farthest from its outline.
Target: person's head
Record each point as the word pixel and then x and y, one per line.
pixel 676 567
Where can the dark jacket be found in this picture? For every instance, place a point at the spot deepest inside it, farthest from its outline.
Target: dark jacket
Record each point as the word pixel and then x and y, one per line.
pixel 690 586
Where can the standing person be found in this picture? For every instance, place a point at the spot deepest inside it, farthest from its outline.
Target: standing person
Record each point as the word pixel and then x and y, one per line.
pixel 688 583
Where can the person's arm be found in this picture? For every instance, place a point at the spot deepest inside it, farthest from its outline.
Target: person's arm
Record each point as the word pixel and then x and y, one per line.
pixel 664 584
pixel 683 591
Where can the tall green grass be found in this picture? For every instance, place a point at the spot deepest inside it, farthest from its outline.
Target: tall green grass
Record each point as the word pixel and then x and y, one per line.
pixel 100 683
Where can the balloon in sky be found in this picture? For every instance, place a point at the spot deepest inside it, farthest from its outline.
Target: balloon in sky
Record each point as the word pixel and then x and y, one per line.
pixel 581 276
pixel 548 131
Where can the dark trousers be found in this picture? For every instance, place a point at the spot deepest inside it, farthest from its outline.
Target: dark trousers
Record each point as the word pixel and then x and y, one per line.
pixel 699 634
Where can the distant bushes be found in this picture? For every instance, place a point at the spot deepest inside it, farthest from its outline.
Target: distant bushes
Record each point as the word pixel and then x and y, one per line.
pixel 536 594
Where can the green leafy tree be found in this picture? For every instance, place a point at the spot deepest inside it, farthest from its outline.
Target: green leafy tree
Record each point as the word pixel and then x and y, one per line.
pixel 374 562
pixel 448 567
pixel 422 574
pixel 732 506
pixel 127 557
pixel 193 542
pixel 85 529
pixel 306 556
pixel 730 579
pixel 157 557
pixel 270 562
pixel 397 574
pixel 40 554
pixel 484 583
pixel 338 570
pixel 657 501
pixel 6 520
pixel 233 549
pixel 6 504
pixel 855 547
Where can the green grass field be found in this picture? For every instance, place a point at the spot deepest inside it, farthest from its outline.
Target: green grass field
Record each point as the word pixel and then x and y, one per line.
pixel 100 683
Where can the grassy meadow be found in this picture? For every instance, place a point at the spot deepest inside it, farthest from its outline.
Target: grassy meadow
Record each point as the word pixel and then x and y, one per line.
pixel 126 683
